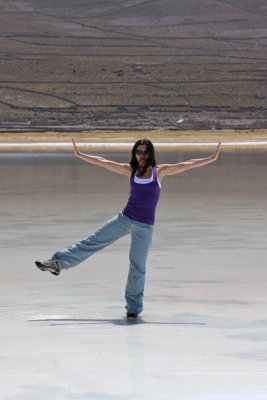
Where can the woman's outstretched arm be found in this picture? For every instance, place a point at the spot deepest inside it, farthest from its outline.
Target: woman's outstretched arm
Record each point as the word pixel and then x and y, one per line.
pixel 118 168
pixel 172 169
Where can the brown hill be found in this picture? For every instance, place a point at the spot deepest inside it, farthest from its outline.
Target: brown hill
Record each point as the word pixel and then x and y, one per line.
pixel 127 64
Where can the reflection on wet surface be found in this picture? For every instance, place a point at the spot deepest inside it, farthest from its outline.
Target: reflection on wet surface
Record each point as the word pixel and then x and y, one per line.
pixel 205 299
pixel 218 206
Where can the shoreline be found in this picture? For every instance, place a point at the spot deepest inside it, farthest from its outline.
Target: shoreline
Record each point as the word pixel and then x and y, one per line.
pixel 109 141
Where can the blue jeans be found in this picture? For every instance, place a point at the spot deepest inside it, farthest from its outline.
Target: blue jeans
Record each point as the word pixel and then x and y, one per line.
pixel 108 233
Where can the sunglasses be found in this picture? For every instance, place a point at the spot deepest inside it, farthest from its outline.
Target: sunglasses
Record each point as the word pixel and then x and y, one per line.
pixel 140 152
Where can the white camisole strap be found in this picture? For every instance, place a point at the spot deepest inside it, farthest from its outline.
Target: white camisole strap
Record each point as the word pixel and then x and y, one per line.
pixel 144 181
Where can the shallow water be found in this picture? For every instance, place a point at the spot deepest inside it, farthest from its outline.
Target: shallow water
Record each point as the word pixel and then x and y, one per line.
pixel 203 332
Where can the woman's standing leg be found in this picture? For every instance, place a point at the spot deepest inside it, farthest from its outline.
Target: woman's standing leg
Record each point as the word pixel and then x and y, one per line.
pixel 104 236
pixel 141 241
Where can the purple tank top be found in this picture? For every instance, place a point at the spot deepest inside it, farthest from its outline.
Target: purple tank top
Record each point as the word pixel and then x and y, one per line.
pixel 143 199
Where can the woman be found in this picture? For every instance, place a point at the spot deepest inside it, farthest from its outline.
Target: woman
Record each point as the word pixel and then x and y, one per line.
pixel 137 217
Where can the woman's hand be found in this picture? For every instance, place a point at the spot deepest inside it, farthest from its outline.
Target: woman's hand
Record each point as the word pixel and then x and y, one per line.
pixel 76 151
pixel 216 154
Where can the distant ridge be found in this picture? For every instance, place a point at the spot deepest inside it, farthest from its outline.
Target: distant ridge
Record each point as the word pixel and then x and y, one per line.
pixel 129 64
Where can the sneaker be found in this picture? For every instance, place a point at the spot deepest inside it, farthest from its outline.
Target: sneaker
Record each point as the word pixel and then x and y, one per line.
pixel 132 314
pixel 50 265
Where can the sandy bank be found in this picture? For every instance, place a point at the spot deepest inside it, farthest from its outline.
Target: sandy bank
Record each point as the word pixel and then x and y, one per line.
pixel 122 141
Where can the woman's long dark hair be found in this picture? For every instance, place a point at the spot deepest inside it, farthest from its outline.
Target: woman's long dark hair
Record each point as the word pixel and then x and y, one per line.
pixel 151 158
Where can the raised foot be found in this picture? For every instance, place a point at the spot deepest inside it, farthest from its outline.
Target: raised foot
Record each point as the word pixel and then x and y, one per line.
pixel 49 265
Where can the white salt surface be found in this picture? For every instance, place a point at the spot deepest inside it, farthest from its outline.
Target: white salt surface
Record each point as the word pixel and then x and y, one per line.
pixel 203 332
pixel 127 146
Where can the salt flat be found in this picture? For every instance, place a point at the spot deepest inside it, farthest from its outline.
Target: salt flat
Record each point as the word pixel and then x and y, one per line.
pixel 203 332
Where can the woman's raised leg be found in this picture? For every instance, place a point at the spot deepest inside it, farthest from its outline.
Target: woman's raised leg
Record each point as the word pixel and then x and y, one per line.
pixel 104 236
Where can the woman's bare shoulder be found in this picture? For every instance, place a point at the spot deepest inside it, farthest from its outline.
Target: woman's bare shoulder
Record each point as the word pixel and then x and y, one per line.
pixel 128 169
pixel 161 167
pixel 160 172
